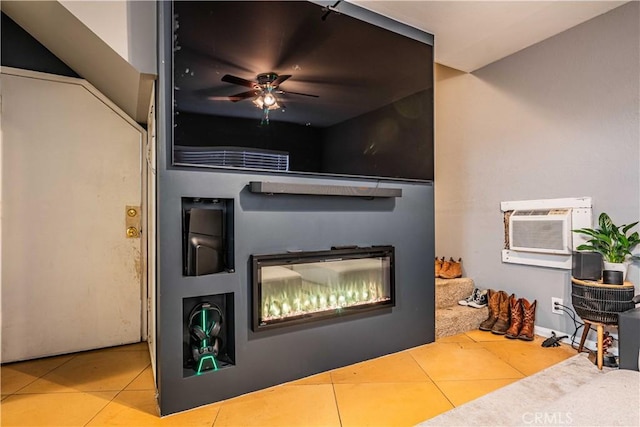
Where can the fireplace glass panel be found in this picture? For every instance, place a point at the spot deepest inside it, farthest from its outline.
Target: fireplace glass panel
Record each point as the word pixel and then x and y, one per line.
pixel 295 288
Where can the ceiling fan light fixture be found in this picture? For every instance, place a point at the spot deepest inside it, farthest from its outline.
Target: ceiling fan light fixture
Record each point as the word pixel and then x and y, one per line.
pixel 263 90
pixel 269 100
pixel 258 102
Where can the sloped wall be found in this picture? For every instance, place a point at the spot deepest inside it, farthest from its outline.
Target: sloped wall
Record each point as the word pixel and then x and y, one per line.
pixel 74 37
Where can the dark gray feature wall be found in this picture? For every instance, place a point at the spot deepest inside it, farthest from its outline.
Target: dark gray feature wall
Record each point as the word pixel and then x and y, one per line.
pixel 265 224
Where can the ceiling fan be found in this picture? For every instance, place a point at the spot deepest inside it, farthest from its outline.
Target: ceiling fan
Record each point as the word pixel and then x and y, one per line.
pixel 263 91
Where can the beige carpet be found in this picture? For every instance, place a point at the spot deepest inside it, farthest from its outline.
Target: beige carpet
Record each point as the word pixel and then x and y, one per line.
pixel 451 318
pixel 572 393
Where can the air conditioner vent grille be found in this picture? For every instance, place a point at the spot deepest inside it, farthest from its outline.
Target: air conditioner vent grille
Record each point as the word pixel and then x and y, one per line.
pixel 541 212
pixel 547 235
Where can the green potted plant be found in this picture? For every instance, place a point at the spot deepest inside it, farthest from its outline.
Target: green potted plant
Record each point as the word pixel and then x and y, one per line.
pixel 612 241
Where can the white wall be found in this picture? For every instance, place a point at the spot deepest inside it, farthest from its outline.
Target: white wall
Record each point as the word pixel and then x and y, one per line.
pixel 559 119
pixel 128 27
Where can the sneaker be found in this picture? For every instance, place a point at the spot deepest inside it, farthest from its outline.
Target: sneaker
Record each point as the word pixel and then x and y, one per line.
pixel 479 300
pixel 471 298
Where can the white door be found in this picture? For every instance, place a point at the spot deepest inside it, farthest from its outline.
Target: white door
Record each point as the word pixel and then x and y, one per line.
pixel 71 163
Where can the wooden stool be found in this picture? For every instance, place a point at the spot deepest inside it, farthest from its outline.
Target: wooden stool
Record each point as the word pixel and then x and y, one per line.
pixel 585 332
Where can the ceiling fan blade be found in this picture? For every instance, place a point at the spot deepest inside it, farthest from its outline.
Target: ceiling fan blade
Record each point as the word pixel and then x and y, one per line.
pixel 244 95
pixel 280 80
pixel 228 78
pixel 298 93
pixel 218 98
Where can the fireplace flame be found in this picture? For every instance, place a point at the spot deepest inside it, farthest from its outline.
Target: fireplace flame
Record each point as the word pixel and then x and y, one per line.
pixel 281 303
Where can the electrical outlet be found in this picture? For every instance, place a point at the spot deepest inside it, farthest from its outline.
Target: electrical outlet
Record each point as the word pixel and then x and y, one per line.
pixel 554 309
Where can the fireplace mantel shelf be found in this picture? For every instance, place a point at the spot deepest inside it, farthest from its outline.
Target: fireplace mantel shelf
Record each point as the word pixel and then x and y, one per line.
pixel 270 188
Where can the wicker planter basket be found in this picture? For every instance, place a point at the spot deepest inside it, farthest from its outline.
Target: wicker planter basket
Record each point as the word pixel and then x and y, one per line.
pixel 600 303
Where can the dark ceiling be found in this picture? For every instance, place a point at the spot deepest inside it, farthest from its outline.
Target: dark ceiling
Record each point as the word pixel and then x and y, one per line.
pixel 352 67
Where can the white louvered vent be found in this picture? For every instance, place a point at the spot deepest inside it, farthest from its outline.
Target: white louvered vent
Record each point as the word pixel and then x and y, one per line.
pixel 541 230
pixel 235 157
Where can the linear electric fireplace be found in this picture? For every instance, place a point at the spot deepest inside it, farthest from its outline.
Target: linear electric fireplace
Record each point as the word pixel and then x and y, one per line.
pixel 298 287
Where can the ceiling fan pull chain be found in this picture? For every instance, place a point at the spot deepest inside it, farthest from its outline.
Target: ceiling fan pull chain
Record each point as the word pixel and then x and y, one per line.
pixel 265 116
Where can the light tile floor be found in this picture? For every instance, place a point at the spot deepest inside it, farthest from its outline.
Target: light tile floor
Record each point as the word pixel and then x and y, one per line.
pixel 114 387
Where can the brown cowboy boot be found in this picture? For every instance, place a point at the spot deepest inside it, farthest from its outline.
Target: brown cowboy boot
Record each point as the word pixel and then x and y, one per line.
pixel 457 268
pixel 454 271
pixel 438 266
pixel 516 317
pixel 529 316
pixel 446 265
pixel 493 299
pixel 502 324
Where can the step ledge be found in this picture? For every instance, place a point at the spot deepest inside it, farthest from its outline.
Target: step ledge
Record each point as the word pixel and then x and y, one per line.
pixel 450 291
pixel 458 319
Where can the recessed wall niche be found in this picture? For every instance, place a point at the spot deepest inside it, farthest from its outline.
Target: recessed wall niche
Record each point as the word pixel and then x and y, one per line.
pixel 207 236
pixel 208 333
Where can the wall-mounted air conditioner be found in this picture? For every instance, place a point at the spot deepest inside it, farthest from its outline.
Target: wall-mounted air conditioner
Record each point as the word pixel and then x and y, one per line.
pixel 541 230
